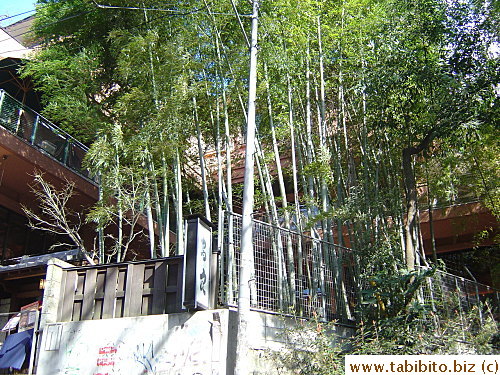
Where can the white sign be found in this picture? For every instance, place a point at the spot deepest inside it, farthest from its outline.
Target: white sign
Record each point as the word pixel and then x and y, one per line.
pixel 204 252
pixel 197 264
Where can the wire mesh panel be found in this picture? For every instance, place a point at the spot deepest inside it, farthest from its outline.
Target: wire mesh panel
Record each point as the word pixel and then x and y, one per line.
pixel 446 292
pixel 307 277
pixel 294 273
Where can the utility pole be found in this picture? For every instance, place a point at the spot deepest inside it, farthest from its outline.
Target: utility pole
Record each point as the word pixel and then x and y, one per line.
pixel 247 272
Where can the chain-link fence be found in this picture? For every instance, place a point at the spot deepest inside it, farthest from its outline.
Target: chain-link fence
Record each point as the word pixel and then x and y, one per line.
pixel 294 273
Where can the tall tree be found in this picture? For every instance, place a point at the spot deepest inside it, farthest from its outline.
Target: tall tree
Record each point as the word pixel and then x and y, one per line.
pixel 247 272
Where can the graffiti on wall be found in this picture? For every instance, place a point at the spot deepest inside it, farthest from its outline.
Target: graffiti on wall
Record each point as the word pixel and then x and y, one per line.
pixel 185 349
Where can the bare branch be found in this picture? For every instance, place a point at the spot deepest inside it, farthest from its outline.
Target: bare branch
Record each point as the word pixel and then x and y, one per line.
pixel 54 214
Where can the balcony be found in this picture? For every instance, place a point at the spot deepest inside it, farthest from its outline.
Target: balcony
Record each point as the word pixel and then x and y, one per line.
pixel 40 133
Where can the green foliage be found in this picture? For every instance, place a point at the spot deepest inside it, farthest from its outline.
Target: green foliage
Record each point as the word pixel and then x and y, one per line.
pixel 403 327
pixel 409 313
pixel 315 348
pixel 465 168
pixel 311 347
pixel 390 292
pixel 457 335
pixel 393 72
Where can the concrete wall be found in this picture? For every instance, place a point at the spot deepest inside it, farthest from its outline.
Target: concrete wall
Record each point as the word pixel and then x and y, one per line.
pixel 272 334
pixel 199 343
pixel 185 343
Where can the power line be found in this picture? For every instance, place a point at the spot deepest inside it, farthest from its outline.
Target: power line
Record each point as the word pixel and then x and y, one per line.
pixel 39 6
pixel 134 8
pixel 17 15
pixel 48 24
pixel 61 20
pixel 174 11
pixel 241 24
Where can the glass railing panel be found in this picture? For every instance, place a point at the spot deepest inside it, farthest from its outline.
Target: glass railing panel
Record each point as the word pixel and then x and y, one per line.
pixel 39 132
pixel 26 122
pixel 75 158
pixel 47 139
pixel 9 113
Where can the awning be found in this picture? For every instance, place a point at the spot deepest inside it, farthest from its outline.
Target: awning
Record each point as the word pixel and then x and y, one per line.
pixel 15 349
pixel 42 260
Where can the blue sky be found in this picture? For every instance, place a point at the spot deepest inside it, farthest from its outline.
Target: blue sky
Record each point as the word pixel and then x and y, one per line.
pixel 12 7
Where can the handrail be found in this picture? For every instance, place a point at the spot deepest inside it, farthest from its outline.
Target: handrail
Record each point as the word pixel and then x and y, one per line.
pixel 48 122
pixel 42 134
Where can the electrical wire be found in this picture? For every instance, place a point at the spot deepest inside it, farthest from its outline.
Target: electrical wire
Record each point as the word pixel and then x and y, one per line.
pixel 48 24
pixel 17 15
pixel 39 6
pixel 133 8
pixel 174 11
pixel 61 20
pixel 240 23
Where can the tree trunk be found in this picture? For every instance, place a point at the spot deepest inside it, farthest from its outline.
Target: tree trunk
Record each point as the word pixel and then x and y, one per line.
pixel 281 182
pixel 410 184
pixel 149 215
pixel 202 161
pixel 165 209
pixel 119 243
pixel 178 205
pixel 247 264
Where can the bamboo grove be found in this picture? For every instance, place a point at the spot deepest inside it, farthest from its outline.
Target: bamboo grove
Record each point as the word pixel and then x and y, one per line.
pixel 359 103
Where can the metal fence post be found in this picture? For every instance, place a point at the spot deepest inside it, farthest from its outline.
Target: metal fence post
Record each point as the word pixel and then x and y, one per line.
pixel 35 128
pixel 2 95
pixel 477 295
pixel 67 145
pixel 34 342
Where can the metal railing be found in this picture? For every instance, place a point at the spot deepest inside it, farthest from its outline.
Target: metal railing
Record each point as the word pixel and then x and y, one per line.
pixel 445 292
pixel 42 134
pixel 462 193
pixel 294 273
